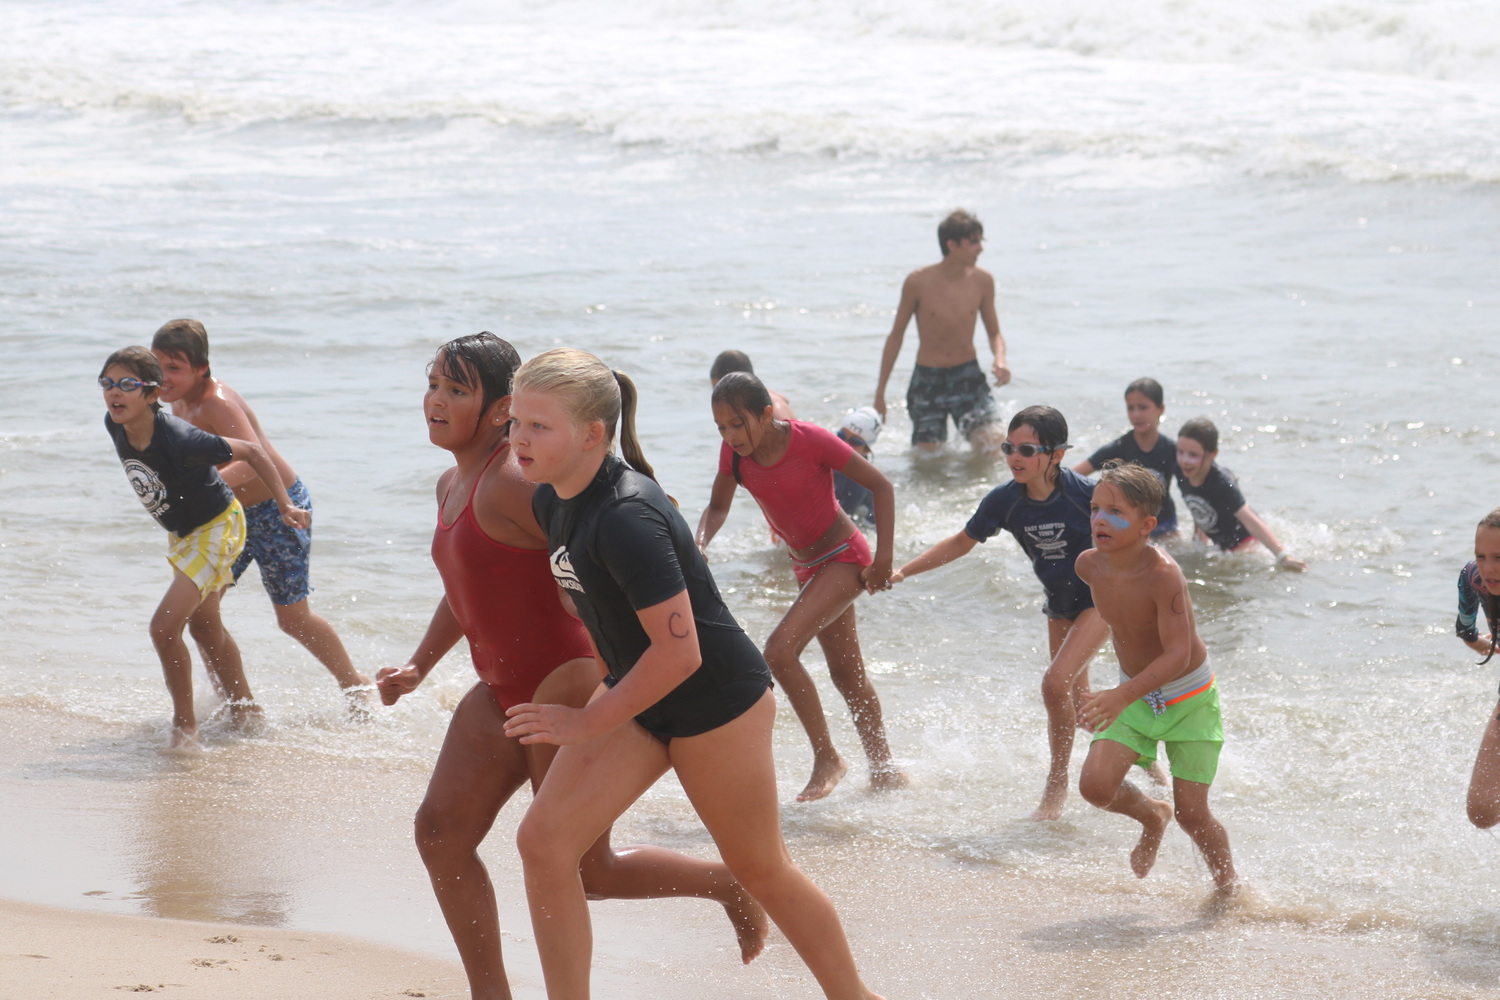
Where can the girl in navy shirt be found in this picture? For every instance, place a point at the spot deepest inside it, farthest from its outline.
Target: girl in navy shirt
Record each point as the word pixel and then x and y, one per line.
pixel 1046 508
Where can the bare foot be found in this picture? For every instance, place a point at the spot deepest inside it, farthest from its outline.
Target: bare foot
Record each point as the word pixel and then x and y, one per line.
pixel 888 777
pixel 185 738
pixel 1158 774
pixel 1053 797
pixel 358 699
pixel 750 925
pixel 1144 854
pixel 246 717
pixel 1221 900
pixel 825 777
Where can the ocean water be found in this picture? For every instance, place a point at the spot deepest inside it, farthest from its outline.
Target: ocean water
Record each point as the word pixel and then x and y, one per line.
pixel 1286 214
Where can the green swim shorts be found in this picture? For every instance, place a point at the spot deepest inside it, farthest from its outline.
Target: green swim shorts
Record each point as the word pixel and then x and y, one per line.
pixel 1193 731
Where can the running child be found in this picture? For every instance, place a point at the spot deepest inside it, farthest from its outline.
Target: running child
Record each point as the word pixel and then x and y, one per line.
pixel 499 595
pixel 947 298
pixel 1212 493
pixel 788 467
pixel 1143 445
pixel 172 466
pixel 1046 508
pixel 686 688
pixel 1479 587
pixel 1166 692
pixel 282 551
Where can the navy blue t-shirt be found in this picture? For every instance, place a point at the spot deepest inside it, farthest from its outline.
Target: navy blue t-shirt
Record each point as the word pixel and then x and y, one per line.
pixel 176 477
pixel 1052 532
pixel 621 546
pixel 1161 460
pixel 1214 506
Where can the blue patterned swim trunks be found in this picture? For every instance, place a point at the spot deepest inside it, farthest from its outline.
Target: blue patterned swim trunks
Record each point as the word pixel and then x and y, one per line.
pixel 281 551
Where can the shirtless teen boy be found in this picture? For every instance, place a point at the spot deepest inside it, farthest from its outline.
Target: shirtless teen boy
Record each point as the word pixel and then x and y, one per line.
pixel 946 298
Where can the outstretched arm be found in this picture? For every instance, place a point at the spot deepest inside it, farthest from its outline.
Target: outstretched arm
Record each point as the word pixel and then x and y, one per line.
pixel 1267 537
pixel 670 659
pixel 255 455
pixel 442 634
pixel 904 313
pixel 876 576
pixel 941 554
pixel 719 500
pixel 1000 369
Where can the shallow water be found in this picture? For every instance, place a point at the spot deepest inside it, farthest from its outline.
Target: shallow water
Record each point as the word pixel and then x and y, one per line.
pixel 1290 222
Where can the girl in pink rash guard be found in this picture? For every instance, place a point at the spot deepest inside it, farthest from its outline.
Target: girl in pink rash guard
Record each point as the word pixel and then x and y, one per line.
pixel 788 466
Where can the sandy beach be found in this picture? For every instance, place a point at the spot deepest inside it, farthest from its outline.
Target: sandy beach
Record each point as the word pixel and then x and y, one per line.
pixel 328 899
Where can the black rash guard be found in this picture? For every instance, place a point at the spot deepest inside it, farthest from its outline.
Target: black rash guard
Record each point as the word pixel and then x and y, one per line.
pixel 175 476
pixel 621 546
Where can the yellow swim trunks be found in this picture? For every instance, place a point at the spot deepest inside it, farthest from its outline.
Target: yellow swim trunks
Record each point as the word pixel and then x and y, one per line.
pixel 207 553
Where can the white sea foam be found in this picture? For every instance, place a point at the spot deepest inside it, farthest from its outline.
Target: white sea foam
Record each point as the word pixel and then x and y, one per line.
pixel 1083 93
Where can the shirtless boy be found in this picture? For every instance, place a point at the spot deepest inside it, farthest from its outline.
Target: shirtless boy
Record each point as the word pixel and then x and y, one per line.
pixel 282 552
pixel 946 298
pixel 1166 692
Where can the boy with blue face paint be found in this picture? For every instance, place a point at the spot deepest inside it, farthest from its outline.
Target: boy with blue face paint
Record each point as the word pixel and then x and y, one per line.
pixel 1166 692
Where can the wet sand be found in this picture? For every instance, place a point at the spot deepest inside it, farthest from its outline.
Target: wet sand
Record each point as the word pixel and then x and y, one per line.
pixel 308 856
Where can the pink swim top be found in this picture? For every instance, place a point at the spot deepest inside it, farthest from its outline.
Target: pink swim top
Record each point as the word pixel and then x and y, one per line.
pixel 796 493
pixel 506 600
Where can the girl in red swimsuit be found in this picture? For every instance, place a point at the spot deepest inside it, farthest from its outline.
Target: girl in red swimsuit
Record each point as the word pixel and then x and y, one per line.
pixel 788 467
pixel 499 594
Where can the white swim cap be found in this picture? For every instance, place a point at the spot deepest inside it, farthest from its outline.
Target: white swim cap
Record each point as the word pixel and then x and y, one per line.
pixel 863 423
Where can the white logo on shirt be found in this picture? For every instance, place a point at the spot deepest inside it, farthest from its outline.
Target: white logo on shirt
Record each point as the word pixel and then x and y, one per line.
pixel 1203 512
pixel 148 486
pixel 562 570
pixel 1048 539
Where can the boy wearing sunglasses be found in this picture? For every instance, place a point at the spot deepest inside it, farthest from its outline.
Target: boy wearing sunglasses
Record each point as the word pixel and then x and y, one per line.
pixel 283 553
pixel 172 466
pixel 1045 507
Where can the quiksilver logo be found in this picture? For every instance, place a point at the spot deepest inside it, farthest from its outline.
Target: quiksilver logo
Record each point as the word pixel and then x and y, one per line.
pixel 148 486
pixel 562 570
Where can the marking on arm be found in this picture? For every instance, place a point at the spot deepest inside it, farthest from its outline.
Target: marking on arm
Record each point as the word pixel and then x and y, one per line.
pixel 673 625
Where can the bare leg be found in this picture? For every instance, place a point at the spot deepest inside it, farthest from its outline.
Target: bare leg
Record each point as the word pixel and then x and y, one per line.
pixel 221 656
pixel 1103 784
pixel 1072 644
pixel 318 637
pixel 477 772
pixel 729 776
pixel 1207 832
pixel 644 872
pixel 586 788
pixel 176 662
pixel 1484 783
pixel 846 665
pixel 822 600
pixel 985 439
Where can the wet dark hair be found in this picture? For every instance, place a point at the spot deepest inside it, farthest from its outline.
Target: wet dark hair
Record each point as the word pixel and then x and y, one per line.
pixel 743 393
pixel 479 361
pixel 958 226
pixel 140 362
pixel 184 338
pixel 1202 430
pixel 1138 484
pixel 1148 387
pixel 1051 430
pixel 730 361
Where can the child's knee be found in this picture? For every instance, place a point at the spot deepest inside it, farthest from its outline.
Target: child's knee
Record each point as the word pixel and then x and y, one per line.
pixel 1193 817
pixel 1097 789
pixel 544 847
pixel 438 837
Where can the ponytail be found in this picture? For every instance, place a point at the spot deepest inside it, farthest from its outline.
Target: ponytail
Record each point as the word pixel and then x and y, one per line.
pixel 630 445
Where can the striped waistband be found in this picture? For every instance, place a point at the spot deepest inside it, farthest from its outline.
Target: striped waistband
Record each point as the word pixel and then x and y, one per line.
pixel 820 560
pixel 1181 689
